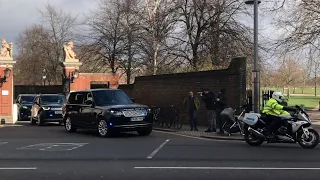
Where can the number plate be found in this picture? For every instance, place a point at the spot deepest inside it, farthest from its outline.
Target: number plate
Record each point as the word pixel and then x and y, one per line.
pixel 58 112
pixel 137 119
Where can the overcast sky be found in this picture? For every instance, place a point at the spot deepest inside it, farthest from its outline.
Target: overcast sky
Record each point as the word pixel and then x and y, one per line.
pixel 16 15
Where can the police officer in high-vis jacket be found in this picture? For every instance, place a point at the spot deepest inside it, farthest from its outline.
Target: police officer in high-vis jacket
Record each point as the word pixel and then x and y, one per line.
pixel 272 110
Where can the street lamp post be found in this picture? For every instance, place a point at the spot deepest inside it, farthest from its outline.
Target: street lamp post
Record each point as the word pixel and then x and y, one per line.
pixel 44 77
pixel 256 71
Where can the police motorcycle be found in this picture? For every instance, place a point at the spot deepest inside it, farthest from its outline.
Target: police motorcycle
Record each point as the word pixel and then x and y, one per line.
pixel 297 128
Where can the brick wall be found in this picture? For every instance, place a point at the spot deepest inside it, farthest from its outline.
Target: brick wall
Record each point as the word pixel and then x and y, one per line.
pixel 171 89
pixel 84 80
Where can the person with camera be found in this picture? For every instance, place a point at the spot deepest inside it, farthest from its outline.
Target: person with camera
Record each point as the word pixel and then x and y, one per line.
pixel 208 98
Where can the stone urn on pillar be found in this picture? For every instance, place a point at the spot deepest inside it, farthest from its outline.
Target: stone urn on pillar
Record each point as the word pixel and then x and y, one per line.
pixel 7 110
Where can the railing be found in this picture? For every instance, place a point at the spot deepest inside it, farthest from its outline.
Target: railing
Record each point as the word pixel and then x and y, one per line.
pixel 168 117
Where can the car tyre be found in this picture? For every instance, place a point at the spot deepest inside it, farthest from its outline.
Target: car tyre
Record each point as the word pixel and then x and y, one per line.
pixel 145 132
pixel 32 121
pixel 40 120
pixel 102 128
pixel 68 125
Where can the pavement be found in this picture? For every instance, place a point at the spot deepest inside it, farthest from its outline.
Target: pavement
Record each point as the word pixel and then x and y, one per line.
pixel 185 130
pixel 48 152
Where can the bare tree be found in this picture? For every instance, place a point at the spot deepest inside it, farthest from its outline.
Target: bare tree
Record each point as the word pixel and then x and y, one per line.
pixel 31 43
pixel 159 23
pixel 208 29
pixel 130 23
pixel 61 28
pixel 106 34
pixel 289 73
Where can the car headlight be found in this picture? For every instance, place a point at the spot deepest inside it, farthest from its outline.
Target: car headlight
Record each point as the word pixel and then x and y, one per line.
pixel 24 107
pixel 116 113
pixel 46 108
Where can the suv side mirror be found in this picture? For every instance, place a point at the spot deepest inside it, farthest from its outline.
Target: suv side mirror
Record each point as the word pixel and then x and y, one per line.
pixel 17 101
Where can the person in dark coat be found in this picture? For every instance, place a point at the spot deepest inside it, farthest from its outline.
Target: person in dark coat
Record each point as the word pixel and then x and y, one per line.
pixel 192 105
pixel 221 104
pixel 209 99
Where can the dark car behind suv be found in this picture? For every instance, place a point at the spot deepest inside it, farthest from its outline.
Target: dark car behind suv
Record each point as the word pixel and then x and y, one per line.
pixel 47 108
pixel 106 111
pixel 24 103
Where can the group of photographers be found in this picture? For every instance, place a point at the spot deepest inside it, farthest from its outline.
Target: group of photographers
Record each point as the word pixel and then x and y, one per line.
pixel 214 105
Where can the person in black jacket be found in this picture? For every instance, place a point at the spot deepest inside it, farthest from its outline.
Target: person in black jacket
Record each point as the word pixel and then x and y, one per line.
pixel 209 99
pixel 221 104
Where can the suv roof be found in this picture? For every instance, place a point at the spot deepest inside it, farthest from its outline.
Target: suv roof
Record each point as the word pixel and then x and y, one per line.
pixel 99 89
pixel 27 94
pixel 50 95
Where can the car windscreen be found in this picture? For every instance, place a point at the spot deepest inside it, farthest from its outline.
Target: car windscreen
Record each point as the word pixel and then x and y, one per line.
pixel 27 99
pixel 52 99
pixel 109 97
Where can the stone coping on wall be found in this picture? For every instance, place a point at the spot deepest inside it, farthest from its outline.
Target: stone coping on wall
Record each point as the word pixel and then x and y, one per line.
pixel 233 69
pixel 70 64
pixel 5 63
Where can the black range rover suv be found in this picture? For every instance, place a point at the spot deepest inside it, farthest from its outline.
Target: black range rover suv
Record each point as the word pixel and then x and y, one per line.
pixel 106 111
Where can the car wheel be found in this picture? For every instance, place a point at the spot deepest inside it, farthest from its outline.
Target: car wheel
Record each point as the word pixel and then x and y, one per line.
pixel 32 121
pixel 145 132
pixel 69 126
pixel 61 123
pixel 103 129
pixel 40 120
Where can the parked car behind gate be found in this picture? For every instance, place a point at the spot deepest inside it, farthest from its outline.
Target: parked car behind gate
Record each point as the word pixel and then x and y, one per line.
pixel 106 111
pixel 24 103
pixel 47 108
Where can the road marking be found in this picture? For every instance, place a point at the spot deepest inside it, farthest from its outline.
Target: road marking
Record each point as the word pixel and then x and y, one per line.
pixel 54 146
pixel 200 138
pixel 18 168
pixel 158 149
pixel 3 143
pixel 230 168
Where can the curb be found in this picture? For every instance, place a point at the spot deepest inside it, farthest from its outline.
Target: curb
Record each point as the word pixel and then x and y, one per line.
pixel 10 125
pixel 165 130
pixel 204 136
pixel 223 138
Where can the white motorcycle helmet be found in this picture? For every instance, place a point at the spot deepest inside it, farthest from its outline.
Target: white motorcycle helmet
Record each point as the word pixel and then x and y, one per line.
pixel 277 96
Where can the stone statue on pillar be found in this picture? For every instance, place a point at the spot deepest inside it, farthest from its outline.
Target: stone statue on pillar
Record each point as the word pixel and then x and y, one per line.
pixel 69 54
pixel 6 50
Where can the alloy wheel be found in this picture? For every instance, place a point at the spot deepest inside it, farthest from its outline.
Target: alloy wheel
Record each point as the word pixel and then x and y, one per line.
pixel 68 124
pixel 103 128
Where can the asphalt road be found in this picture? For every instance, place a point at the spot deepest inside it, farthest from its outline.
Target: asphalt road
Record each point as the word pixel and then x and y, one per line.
pixel 31 152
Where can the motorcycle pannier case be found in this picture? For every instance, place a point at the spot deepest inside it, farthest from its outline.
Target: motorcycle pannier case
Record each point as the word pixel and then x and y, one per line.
pixel 251 118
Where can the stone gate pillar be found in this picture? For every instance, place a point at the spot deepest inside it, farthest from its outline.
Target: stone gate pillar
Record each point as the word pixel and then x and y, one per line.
pixel 71 68
pixel 6 83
